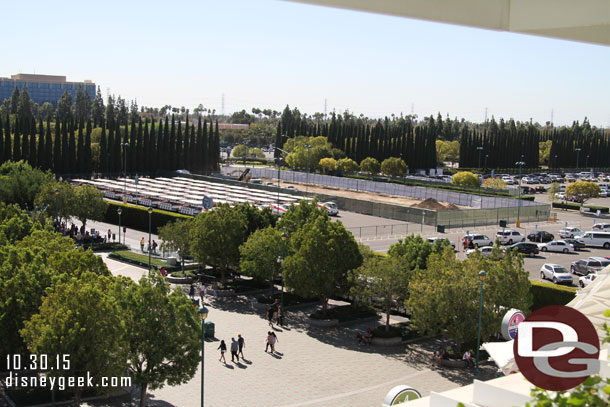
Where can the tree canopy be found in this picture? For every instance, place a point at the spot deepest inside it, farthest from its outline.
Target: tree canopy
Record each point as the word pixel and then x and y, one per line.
pixel 582 190
pixel 394 167
pixel 466 179
pixel 259 255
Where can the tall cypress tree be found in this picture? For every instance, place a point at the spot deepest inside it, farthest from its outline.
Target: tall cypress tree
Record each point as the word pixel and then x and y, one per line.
pixel 70 162
pixel 210 156
pixel 199 157
pixel 7 138
pixel 17 143
pixel 132 153
pixel 179 152
pixel 171 150
pixel 80 149
pixel 146 148
pixel 118 154
pixel 57 160
pixel 88 168
pixel 1 141
pixel 164 152
pixel 48 146
pixel 139 153
pixel 33 156
pixel 216 148
pixel 104 149
pixel 42 152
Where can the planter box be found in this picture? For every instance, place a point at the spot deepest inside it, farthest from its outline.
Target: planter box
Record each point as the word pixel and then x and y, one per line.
pixel 178 280
pixel 454 363
pixel 396 340
pixel 323 323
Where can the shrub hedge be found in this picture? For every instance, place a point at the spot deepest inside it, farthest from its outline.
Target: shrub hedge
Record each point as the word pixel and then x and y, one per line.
pixel 345 313
pixel 528 197
pixel 136 217
pixel 576 206
pixel 550 294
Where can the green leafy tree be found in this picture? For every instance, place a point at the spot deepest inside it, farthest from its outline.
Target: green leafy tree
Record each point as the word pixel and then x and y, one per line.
pixel 347 165
pixel 545 152
pixel 370 165
pixel 162 330
pixel 19 183
pixel 64 108
pixel 303 157
pixel 240 151
pixel 80 318
pixel 447 151
pixel 386 278
pixel 260 253
pixel 444 298
pixel 49 199
pixel 298 215
pixel 256 152
pixel 414 250
pixel 216 237
pixel 394 167
pixel 88 203
pixel 555 188
pixel 323 253
pixel 15 224
pixel 494 183
pixel 466 179
pixel 327 164
pixel 176 236
pixel 256 219
pixel 582 191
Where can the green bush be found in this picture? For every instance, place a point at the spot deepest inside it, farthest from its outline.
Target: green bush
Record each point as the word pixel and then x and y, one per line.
pixel 289 299
pixel 186 273
pixel 393 332
pixel 550 294
pixel 576 207
pixel 136 217
pixel 141 260
pixel 345 313
pixel 528 197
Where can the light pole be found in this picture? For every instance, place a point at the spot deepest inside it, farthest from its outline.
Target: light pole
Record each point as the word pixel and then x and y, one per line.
pixel 587 162
pixel 480 149
pixel 486 157
pixel 520 164
pixel 577 156
pixel 56 208
pixel 482 275
pixel 203 313
pixel 119 211
pixel 125 145
pixel 284 236
pixel 150 211
pixel 307 146
pixel 555 160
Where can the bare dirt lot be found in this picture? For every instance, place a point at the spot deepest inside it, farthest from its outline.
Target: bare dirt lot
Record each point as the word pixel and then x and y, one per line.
pixel 372 196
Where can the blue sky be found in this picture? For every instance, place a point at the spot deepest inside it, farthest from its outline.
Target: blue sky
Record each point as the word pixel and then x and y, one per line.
pixel 269 53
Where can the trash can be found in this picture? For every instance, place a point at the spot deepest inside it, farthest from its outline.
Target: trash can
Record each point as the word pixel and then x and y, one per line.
pixel 440 228
pixel 209 330
pixel 172 261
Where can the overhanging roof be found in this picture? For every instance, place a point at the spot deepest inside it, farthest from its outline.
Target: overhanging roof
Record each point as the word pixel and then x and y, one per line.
pixel 582 20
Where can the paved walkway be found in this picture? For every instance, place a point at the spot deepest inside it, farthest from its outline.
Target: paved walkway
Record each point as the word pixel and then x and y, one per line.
pixel 322 367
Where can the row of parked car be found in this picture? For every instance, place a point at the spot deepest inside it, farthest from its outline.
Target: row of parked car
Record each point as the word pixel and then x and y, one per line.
pixel 587 268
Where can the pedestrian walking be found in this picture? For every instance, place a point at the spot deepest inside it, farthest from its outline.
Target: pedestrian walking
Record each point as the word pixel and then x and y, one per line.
pixel 109 234
pixel 234 349
pixel 242 344
pixel 142 241
pixel 192 291
pixel 223 349
pixel 214 288
pixel 269 342
pixel 154 247
pixel 270 313
pixel 274 340
pixel 280 316
pixel 202 292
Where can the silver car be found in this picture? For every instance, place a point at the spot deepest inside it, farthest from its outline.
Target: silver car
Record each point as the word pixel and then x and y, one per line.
pixel 556 273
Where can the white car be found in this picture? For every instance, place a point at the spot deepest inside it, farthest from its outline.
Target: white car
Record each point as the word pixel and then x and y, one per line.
pixel 485 251
pixel 509 236
pixel 603 193
pixel 474 241
pixel 556 273
pixel 432 240
pixel 509 180
pixel 559 246
pixel 586 280
pixel 560 195
pixel 330 207
pixel 569 232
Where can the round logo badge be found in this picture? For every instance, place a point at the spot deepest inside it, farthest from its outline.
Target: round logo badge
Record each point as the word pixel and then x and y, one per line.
pixel 557 348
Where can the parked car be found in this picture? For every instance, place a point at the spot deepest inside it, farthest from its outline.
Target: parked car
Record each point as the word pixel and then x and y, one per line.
pixel 473 241
pixel 540 236
pixel 586 266
pixel 531 249
pixel 604 261
pixel 330 207
pixel 485 251
pixel 602 227
pixel 432 240
pixel 595 239
pixel 586 280
pixel 555 273
pixel 290 187
pixel 577 244
pixel 529 180
pixel 569 232
pixel 559 246
pixel 560 195
pixel 509 180
pixel 509 236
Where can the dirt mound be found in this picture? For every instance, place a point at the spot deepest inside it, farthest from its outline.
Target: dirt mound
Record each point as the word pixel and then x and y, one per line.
pixel 433 204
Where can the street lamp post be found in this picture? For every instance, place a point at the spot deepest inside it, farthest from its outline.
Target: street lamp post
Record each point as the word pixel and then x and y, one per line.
pixel 307 146
pixel 520 164
pixel 587 162
pixel 203 313
pixel 486 157
pixel 480 149
pixel 482 275
pixel 125 145
pixel 284 236
pixel 150 211
pixel 555 160
pixel 56 208
pixel 119 211
pixel 577 156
